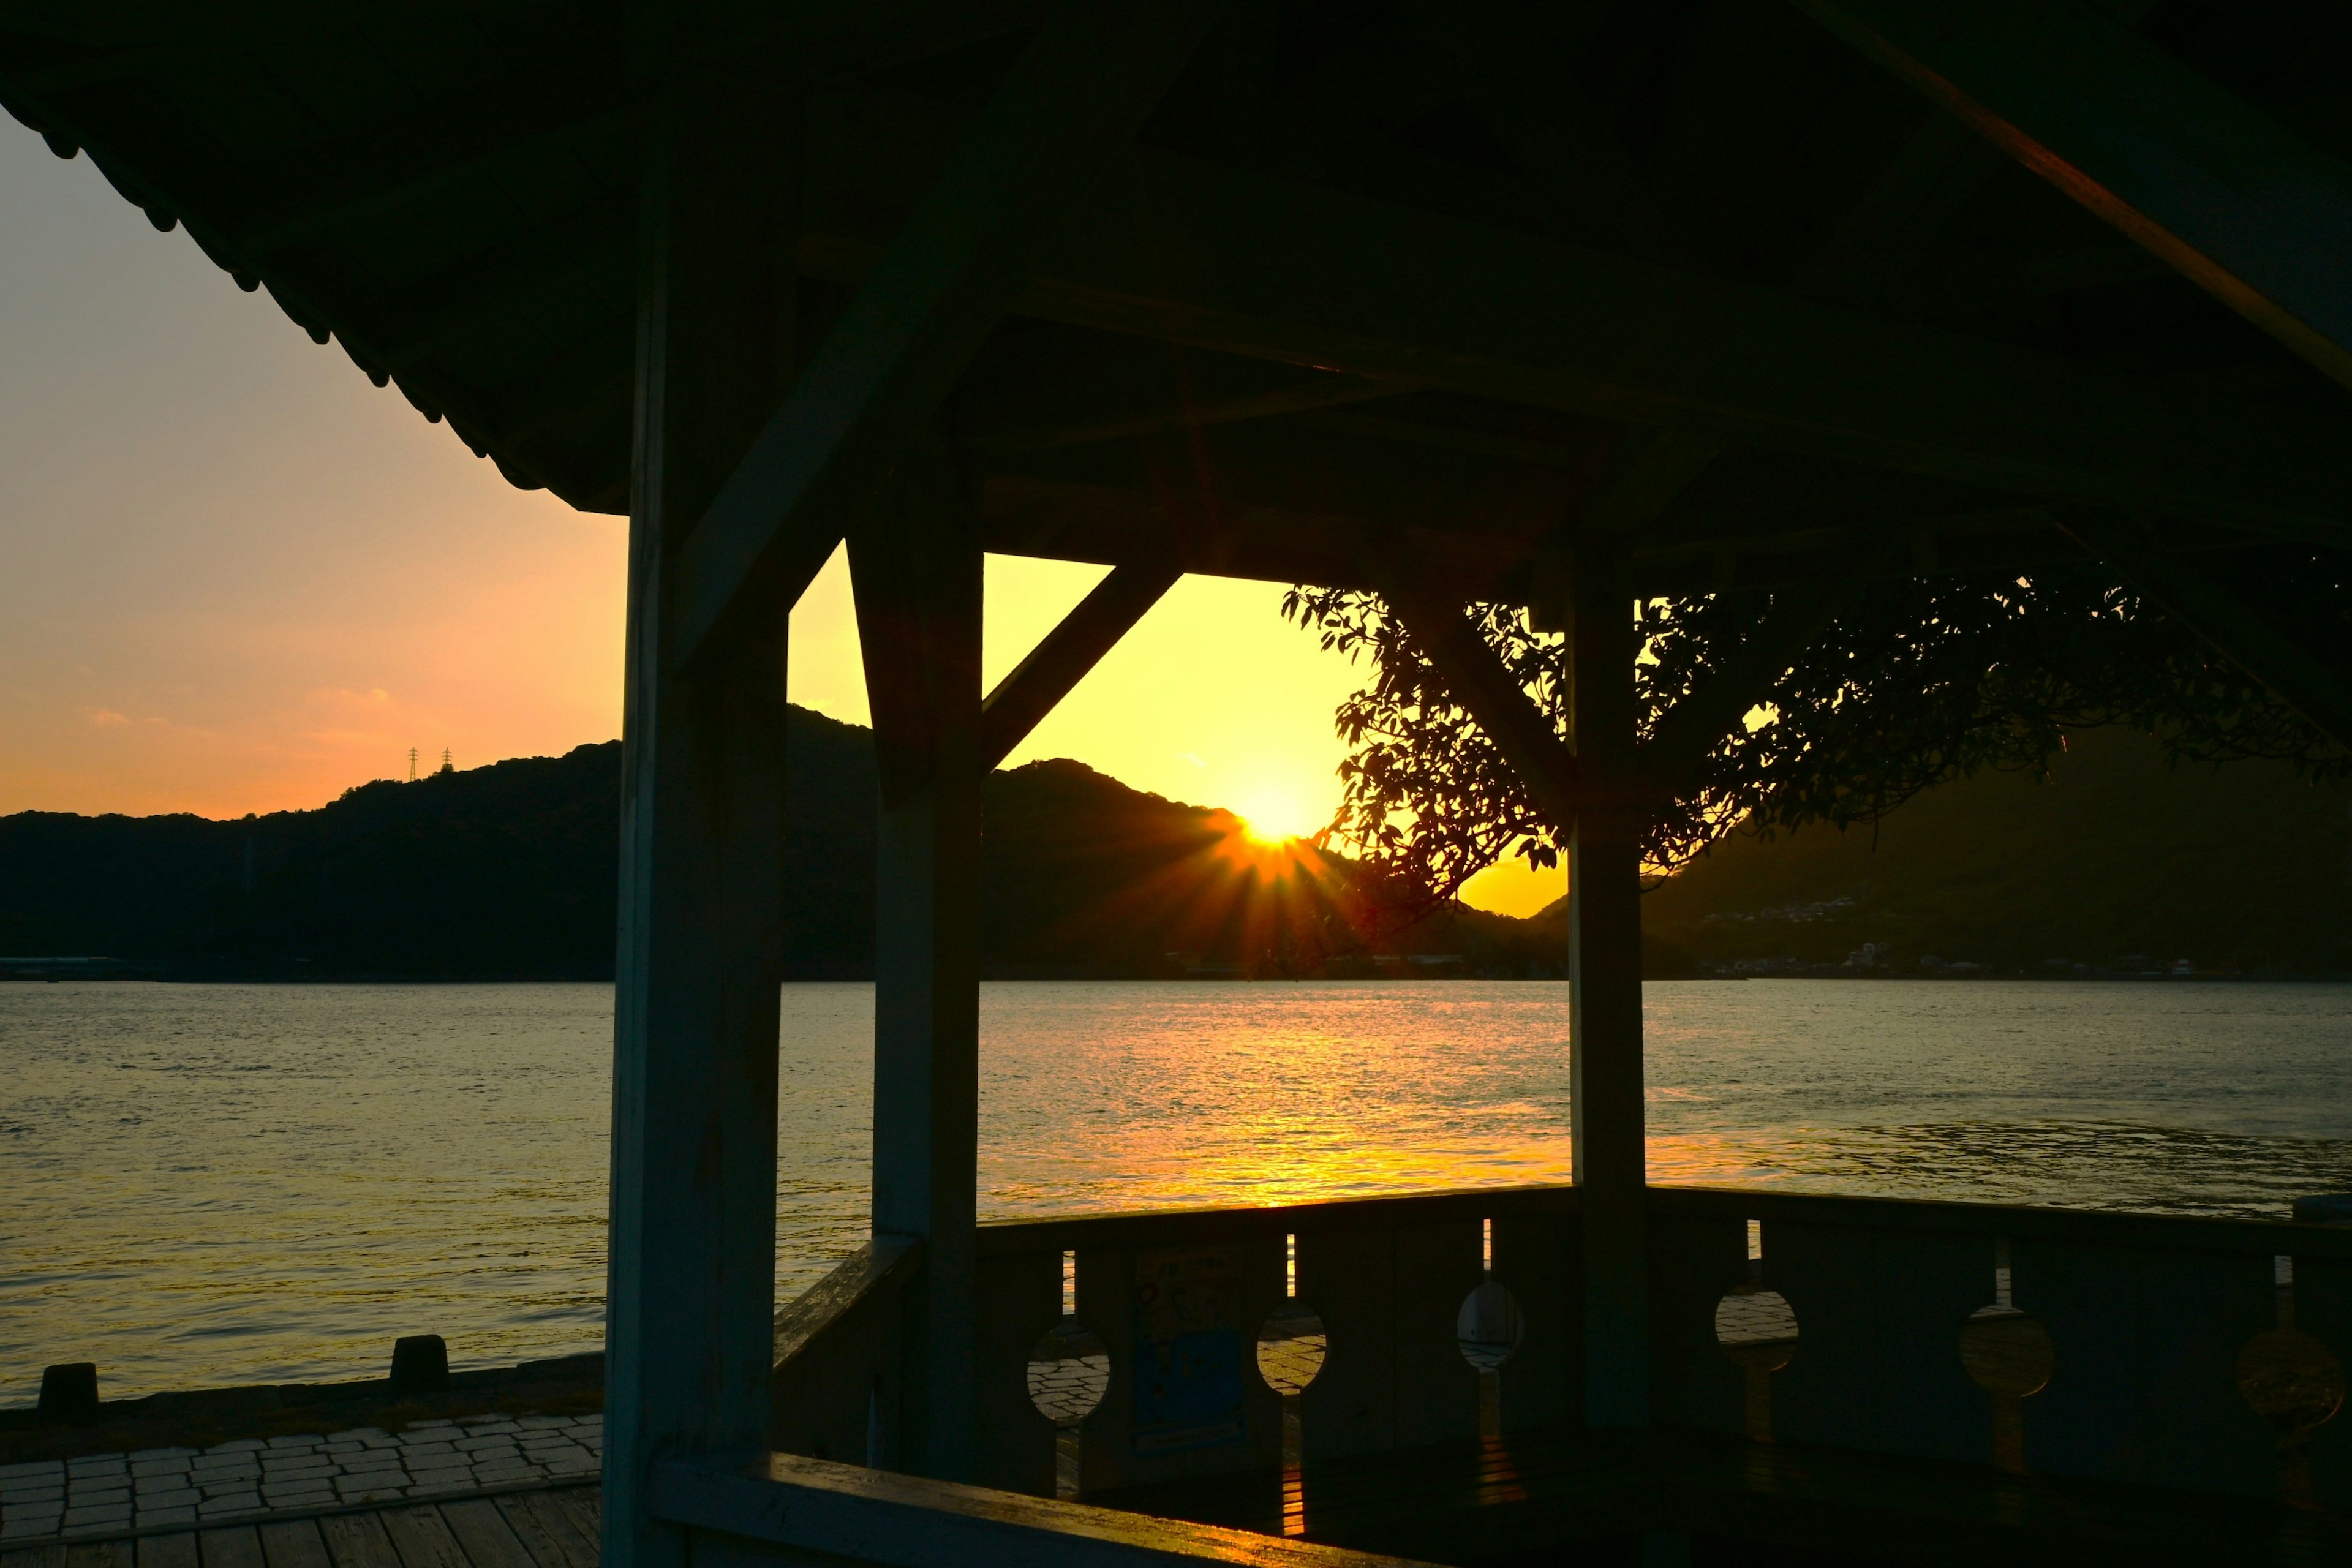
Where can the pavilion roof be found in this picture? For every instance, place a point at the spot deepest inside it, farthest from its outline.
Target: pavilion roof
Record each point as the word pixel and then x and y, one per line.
pixel 1701 270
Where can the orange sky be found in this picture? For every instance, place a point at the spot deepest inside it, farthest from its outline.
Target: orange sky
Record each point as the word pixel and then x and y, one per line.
pixel 240 578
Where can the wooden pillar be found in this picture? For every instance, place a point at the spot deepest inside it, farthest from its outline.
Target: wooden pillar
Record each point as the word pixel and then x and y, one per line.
pixel 691 1276
pixel 915 563
pixel 1604 967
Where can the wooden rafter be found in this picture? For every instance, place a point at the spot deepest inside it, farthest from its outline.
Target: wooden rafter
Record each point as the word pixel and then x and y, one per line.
pixel 1259 266
pixel 2240 205
pixel 1063 657
pixel 1056 121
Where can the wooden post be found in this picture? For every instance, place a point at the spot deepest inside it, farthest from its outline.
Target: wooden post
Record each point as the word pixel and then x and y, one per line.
pixel 915 565
pixel 691 1276
pixel 1604 969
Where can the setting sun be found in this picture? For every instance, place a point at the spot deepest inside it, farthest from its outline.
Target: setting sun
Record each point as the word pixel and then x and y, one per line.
pixel 1273 816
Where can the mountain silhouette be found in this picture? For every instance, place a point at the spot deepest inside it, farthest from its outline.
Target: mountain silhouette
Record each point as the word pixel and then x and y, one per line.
pixel 510 871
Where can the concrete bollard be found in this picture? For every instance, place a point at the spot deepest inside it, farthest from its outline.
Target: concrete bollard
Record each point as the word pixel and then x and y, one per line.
pixel 69 1394
pixel 420 1364
pixel 2324 1208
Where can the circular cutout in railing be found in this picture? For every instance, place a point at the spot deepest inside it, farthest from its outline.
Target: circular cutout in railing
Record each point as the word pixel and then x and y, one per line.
pixel 1069 1372
pixel 2007 1353
pixel 2290 1379
pixel 1489 1326
pixel 1756 1328
pixel 1291 1348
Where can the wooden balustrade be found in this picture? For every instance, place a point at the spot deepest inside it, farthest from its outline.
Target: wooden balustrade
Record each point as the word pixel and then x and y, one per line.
pixel 2194 1354
pixel 2176 1352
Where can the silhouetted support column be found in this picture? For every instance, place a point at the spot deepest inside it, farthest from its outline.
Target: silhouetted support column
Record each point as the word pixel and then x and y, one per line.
pixel 692 1281
pixel 1604 967
pixel 915 562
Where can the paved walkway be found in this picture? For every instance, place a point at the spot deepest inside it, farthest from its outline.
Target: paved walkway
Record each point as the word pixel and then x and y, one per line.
pixel 554 1527
pixel 253 1478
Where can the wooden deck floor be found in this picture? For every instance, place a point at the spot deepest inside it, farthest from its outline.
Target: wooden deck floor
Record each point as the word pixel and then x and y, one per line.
pixel 557 1527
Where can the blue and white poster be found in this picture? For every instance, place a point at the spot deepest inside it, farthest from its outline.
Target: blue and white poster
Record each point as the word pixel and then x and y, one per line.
pixel 1188 1351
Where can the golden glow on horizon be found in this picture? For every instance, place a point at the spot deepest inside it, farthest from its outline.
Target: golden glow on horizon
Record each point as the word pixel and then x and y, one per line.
pixel 1274 816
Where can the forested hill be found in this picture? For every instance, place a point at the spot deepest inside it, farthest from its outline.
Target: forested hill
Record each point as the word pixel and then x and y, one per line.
pixel 2117 862
pixel 510 871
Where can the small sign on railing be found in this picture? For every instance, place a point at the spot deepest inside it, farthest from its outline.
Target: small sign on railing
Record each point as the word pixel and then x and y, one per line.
pixel 1189 1343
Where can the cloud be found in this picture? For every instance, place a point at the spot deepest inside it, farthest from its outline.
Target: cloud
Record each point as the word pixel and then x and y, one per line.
pixel 105 718
pixel 1191 757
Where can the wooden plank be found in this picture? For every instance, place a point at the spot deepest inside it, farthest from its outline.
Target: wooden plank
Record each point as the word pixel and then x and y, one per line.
pixel 1694 1260
pixel 236 1546
pixel 1538 1258
pixel 2242 206
pixel 1056 121
pixel 2244 1237
pixel 422 1537
pixel 809 1504
pixel 484 1536
pixel 838 1347
pixel 1437 1265
pixel 1879 1314
pixel 294 1543
pixel 47 1556
pixel 1065 655
pixel 692 1267
pixel 915 572
pixel 356 1540
pixel 179 1551
pixel 2147 1344
pixel 880 1263
pixel 110 1554
pixel 584 1506
pixel 1348 1275
pixel 1019 1300
pixel 547 1531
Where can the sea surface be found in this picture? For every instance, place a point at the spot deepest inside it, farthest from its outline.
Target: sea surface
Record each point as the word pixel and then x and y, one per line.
pixel 203 1185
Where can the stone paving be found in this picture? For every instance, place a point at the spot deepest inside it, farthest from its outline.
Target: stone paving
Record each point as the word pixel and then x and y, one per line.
pixel 109 1494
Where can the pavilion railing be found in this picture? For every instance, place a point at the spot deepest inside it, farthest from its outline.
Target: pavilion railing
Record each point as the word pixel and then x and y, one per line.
pixel 2195 1353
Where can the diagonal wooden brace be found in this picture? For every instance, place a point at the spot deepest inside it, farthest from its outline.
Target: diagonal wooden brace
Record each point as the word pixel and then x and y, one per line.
pixel 1478 679
pixel 1058 662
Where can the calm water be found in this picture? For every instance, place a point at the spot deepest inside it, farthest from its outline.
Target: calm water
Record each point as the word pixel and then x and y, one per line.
pixel 203 1184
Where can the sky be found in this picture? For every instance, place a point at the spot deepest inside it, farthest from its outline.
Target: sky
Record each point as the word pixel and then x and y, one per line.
pixel 234 577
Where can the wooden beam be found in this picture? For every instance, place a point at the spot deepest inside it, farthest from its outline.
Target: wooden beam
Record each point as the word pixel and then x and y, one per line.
pixel 1056 665
pixel 1606 1111
pixel 783 1509
pixel 1695 725
pixel 1258 266
pixel 1478 679
pixel 1056 121
pixel 2317 688
pixel 2234 201
pixel 915 569
pixel 690 1287
pixel 1323 392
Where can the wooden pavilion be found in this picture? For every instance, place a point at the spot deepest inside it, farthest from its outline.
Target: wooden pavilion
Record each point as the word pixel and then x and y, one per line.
pixel 1547 304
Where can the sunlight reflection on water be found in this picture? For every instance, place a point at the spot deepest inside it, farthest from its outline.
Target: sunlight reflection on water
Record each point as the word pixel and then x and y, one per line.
pixel 221 1184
